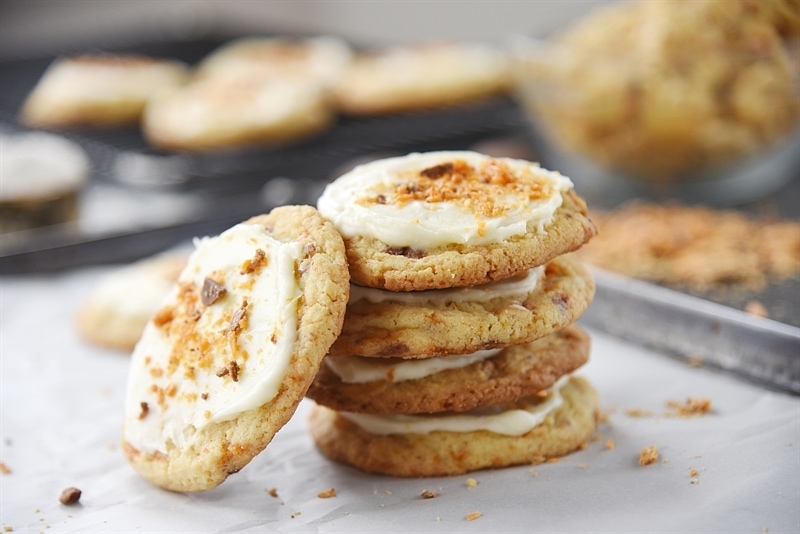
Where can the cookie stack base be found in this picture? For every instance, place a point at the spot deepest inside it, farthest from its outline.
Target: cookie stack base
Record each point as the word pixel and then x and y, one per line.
pixel 455 453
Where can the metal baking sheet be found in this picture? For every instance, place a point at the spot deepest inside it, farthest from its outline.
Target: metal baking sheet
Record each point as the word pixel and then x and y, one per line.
pixel 700 331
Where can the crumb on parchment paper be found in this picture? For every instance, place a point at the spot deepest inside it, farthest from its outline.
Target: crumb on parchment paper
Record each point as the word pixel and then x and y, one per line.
pixel 471 483
pixel 648 455
pixel 70 495
pixel 692 407
pixel 272 492
pixel 472 516
pixel 428 494
pixel 327 494
pixel 4 469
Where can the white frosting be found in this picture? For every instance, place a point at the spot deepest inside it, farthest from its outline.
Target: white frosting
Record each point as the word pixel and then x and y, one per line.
pixel 37 164
pixel 321 59
pixel 262 346
pixel 515 422
pixel 515 287
pixel 233 105
pixel 138 289
pixel 107 79
pixel 357 369
pixel 349 203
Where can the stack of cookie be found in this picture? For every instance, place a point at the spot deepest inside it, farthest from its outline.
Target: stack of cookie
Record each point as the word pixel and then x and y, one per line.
pixel 459 340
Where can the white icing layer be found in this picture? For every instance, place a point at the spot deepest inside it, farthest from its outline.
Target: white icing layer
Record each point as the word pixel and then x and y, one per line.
pixel 37 164
pixel 514 422
pixel 175 365
pixel 515 287
pixel 356 369
pixel 368 201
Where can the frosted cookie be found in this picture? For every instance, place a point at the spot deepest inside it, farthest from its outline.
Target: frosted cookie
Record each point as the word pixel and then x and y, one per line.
pixel 452 219
pixel 320 59
pixel 529 432
pixel 453 383
pixel 405 78
pixel 229 355
pixel 215 113
pixel 421 324
pixel 41 178
pixel 98 90
pixel 122 302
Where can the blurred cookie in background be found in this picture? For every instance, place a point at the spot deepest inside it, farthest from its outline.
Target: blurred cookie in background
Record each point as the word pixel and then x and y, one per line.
pixel 427 75
pixel 41 178
pixel 120 304
pixel 98 90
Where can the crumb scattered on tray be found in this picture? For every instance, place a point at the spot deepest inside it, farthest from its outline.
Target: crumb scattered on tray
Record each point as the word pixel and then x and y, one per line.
pixel 328 493
pixel 273 492
pixel 8 528
pixel 700 247
pixel 755 307
pixel 428 494
pixel 4 469
pixel 692 407
pixel 610 444
pixel 472 516
pixel 638 412
pixel 471 483
pixel 648 455
pixel 70 496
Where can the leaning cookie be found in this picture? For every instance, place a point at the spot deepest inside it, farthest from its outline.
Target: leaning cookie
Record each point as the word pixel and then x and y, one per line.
pixel 452 219
pixel 226 360
pixel 99 89
pixel 452 383
pixel 422 324
pixel 535 429
pixel 122 302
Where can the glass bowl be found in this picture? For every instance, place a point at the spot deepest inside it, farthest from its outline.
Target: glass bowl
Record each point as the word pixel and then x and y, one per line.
pixel 632 110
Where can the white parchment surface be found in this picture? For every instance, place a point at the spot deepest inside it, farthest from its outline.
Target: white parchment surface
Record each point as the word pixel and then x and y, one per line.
pixel 62 411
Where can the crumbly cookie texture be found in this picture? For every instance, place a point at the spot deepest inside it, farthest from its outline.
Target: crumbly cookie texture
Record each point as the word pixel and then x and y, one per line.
pixel 411 330
pixel 98 89
pixel 515 372
pixel 206 392
pixel 120 305
pixel 453 453
pixel 700 247
pixel 452 219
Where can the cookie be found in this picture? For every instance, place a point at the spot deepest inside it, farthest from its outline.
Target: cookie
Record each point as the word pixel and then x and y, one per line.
pixel 122 302
pixel 430 75
pixel 458 443
pixel 225 361
pixel 320 59
pixel 42 177
pixel 452 383
pixel 422 324
pixel 452 219
pixel 218 113
pixel 98 90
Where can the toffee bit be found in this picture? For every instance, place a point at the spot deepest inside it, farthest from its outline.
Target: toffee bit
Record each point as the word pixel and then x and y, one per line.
pixel 212 291
pixel 327 494
pixel 256 263
pixel 380 199
pixel 70 496
pixel 408 252
pixel 437 171
pixel 237 317
pixel 204 396
pixel 145 409
pixel 231 369
pixel 428 494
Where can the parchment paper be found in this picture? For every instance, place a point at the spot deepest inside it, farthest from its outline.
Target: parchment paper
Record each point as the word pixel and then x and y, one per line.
pixel 62 409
